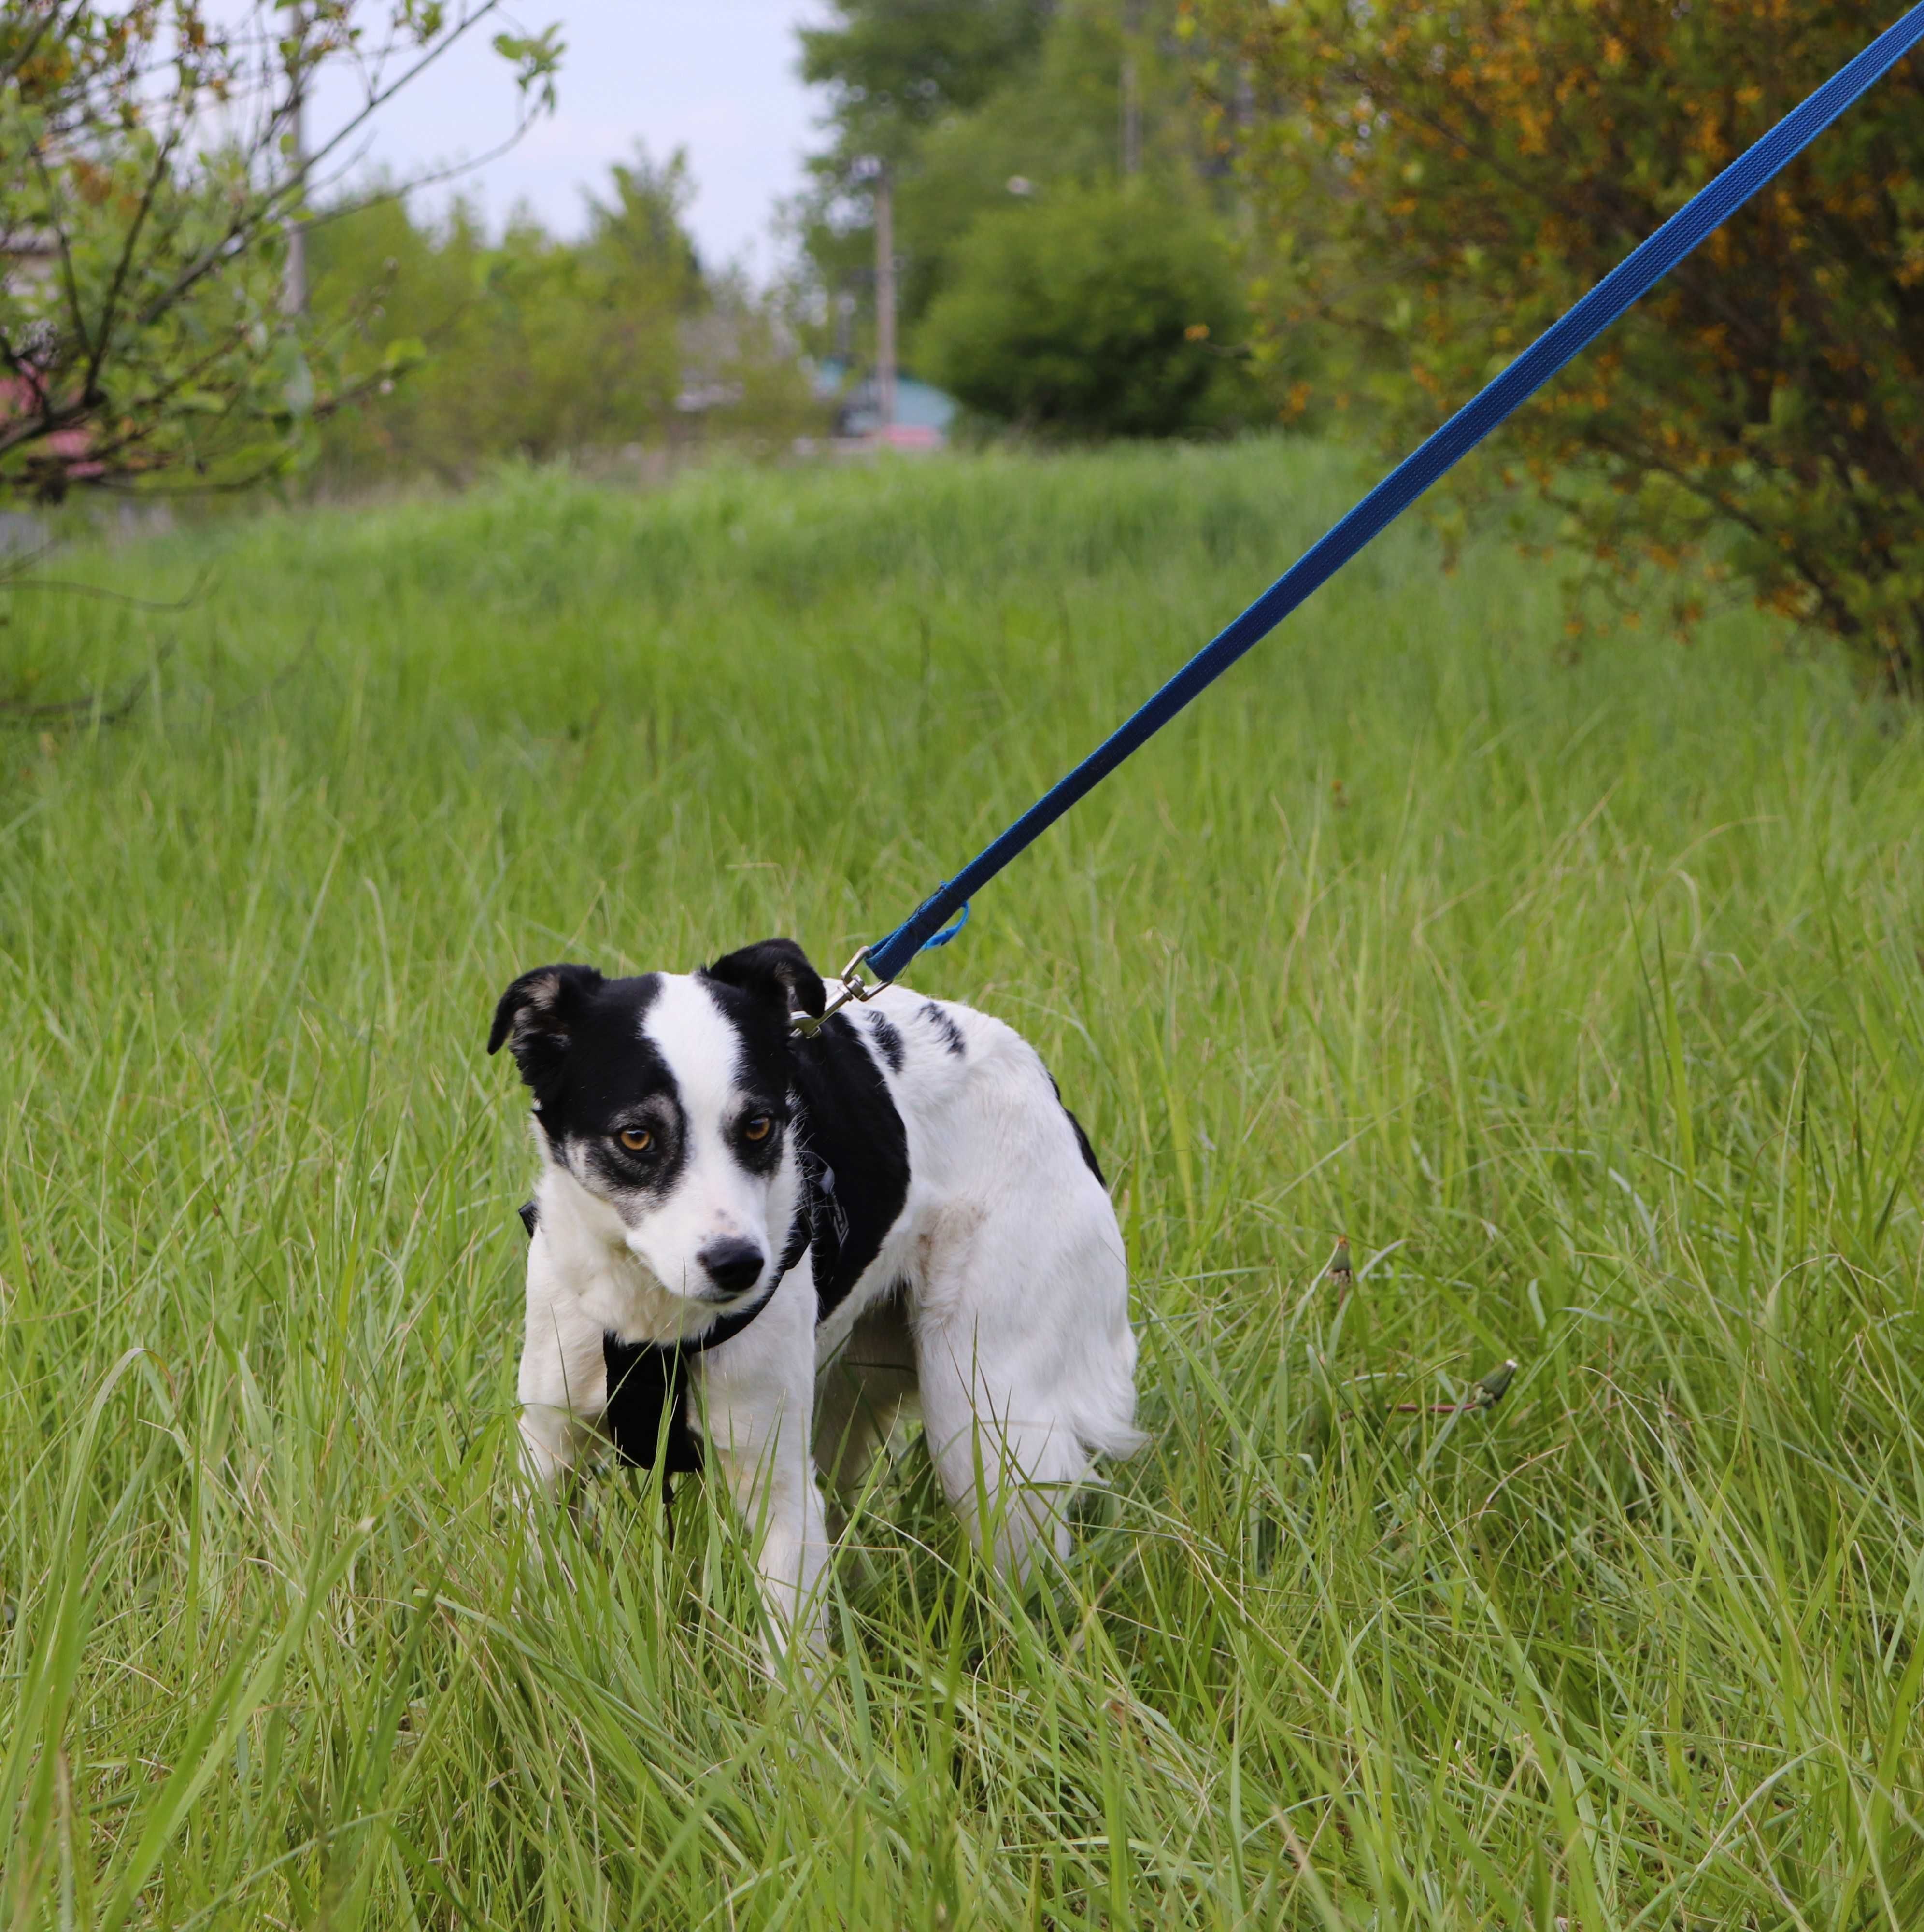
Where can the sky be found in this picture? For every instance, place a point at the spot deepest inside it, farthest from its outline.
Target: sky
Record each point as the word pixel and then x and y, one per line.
pixel 716 77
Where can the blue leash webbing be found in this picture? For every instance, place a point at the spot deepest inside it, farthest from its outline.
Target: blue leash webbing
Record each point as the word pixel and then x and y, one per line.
pixel 1625 285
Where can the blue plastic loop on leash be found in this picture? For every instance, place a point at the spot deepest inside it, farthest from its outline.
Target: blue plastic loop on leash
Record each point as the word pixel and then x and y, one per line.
pixel 1622 289
pixel 947 933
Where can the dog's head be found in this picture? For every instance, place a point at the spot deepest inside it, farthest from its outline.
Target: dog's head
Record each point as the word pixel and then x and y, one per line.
pixel 667 1099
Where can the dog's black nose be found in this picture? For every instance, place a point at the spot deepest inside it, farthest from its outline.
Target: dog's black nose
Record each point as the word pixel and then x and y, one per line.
pixel 732 1264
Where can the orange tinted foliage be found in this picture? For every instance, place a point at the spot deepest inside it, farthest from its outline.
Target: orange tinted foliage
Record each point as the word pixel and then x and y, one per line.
pixel 1766 404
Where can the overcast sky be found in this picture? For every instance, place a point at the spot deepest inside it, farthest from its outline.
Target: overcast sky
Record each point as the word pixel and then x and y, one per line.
pixel 714 77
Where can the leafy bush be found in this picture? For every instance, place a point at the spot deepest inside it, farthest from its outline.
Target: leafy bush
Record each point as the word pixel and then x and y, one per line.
pixel 1456 177
pixel 1097 311
pixel 964 98
pixel 149 198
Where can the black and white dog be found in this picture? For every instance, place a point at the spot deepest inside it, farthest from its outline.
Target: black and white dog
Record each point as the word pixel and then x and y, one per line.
pixel 899 1207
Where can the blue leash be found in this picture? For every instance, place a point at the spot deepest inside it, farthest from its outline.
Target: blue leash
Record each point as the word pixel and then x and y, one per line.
pixel 1626 284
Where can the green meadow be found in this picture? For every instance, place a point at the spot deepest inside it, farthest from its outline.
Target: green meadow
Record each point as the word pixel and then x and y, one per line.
pixel 1580 990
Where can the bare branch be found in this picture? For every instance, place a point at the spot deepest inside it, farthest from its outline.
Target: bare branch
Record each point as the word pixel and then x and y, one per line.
pixel 164 155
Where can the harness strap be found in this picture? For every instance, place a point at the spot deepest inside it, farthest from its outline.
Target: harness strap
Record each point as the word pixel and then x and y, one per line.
pixel 1626 284
pixel 647 1384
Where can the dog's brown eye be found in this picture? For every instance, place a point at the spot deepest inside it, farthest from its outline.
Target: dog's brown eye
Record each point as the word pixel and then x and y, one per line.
pixel 636 1140
pixel 758 1126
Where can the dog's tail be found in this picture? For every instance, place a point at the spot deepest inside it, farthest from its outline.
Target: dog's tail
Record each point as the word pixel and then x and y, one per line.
pixel 1117 1440
pixel 1105 1420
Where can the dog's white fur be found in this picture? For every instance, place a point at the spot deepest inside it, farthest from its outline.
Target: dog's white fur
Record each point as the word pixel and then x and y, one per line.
pixel 1010 1334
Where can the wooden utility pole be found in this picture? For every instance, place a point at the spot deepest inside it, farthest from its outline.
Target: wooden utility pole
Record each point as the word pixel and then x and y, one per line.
pixel 884 299
pixel 1130 114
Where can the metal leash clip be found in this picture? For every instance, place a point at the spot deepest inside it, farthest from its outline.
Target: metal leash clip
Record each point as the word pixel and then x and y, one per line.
pixel 853 987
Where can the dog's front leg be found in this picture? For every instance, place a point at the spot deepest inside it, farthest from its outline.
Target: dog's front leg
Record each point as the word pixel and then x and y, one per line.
pixel 562 1386
pixel 756 1406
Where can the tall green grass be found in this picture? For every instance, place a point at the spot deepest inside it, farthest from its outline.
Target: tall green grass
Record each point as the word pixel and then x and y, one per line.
pixel 1584 996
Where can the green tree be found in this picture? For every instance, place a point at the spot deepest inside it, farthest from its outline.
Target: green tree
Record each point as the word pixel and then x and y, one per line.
pixel 978 108
pixel 894 68
pixel 1109 311
pixel 536 346
pixel 1447 180
pixel 1057 121
pixel 148 187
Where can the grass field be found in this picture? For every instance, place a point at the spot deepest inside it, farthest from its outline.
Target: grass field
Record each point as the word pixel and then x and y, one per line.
pixel 1584 996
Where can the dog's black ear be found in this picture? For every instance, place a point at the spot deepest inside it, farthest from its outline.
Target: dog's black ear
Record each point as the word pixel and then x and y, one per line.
pixel 537 1014
pixel 777 971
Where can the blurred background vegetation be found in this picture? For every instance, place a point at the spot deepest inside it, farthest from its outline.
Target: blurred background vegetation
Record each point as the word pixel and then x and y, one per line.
pixel 1111 218
pixel 527 345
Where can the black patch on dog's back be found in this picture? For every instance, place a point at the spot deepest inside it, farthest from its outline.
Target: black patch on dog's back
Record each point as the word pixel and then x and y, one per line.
pixel 887 1038
pixel 1089 1153
pixel 951 1036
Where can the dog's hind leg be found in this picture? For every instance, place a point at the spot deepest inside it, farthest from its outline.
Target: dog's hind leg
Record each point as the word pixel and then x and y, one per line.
pixel 1008 1467
pixel 1025 1364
